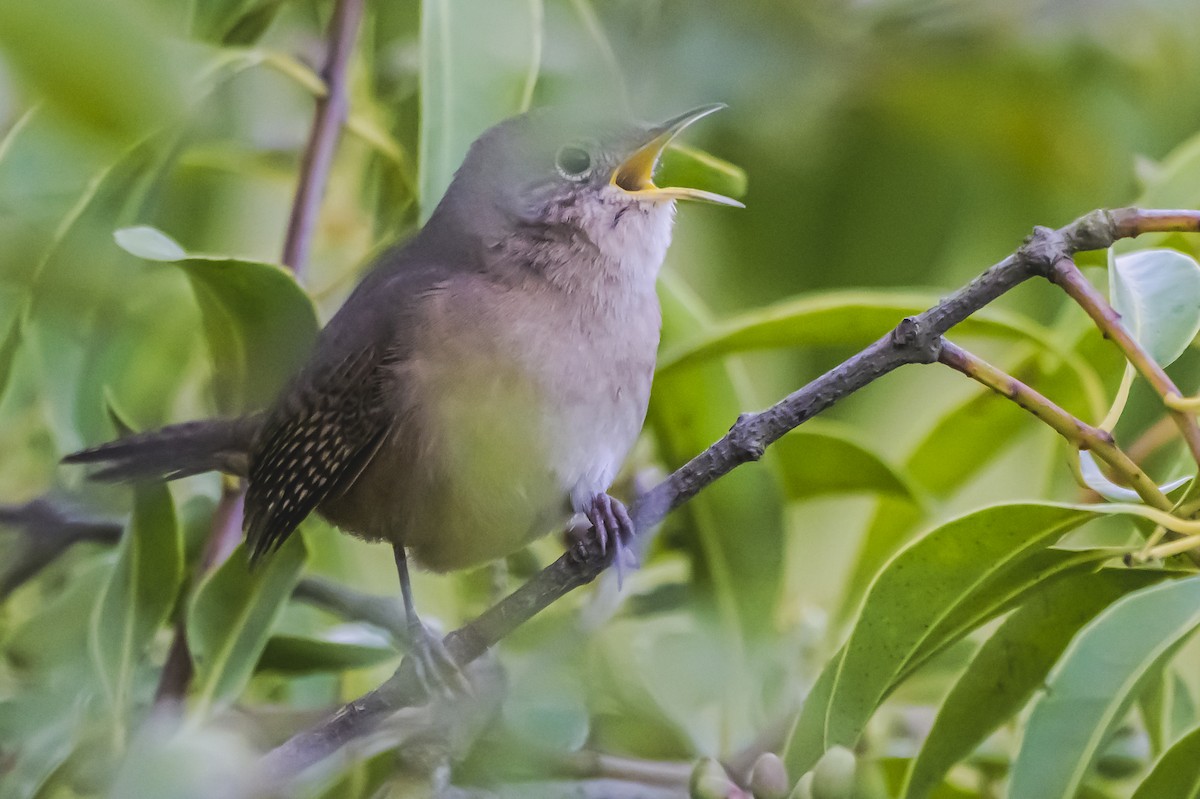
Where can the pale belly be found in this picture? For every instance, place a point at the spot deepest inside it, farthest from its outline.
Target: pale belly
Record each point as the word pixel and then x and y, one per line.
pixel 502 447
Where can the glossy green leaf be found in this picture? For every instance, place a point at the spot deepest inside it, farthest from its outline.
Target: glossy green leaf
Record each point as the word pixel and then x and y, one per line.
pixel 259 323
pixel 1177 772
pixel 1011 665
pixel 231 617
pixel 1157 293
pixel 920 587
pixel 1006 588
pixel 479 62
pixel 118 81
pixel 821 459
pixel 140 593
pixel 294 654
pixel 1094 682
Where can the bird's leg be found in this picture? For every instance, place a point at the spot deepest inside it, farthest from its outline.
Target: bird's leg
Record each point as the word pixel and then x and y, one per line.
pixel 435 667
pixel 611 531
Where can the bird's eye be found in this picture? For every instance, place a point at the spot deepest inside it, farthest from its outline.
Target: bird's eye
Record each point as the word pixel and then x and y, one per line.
pixel 573 162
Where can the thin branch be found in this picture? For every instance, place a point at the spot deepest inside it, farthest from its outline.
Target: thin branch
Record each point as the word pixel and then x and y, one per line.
pixel 45 532
pixel 1073 429
pixel 916 339
pixel 332 108
pixel 1067 275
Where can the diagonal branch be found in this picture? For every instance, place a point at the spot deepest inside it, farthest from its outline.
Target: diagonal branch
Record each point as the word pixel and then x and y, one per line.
pixel 917 339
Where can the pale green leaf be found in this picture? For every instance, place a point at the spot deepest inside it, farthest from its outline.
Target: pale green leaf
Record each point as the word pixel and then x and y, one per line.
pixel 149 243
pixel 1094 683
pixel 1011 665
pixel 1095 479
pixel 1157 293
pixel 294 654
pixel 1167 707
pixel 259 323
pixel 231 617
pixel 1177 772
pixel 479 59
pixel 97 64
pixel 822 459
pixel 806 740
pixel 922 586
pixel 140 593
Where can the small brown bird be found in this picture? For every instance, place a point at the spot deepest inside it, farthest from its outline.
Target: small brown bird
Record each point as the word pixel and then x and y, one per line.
pixel 485 380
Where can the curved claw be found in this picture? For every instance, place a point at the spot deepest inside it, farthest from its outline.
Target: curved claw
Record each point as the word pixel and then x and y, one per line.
pixel 436 669
pixel 610 520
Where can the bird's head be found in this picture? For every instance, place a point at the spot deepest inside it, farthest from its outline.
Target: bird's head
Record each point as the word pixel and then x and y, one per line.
pixel 555 175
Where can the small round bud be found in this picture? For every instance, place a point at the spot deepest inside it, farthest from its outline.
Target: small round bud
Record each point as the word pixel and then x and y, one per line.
pixel 833 776
pixel 768 777
pixel 709 781
pixel 804 788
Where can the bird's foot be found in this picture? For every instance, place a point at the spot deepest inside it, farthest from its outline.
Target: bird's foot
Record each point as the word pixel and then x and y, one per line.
pixel 436 669
pixel 610 536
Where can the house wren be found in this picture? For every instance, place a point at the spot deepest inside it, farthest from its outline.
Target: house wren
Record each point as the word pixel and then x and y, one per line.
pixel 485 380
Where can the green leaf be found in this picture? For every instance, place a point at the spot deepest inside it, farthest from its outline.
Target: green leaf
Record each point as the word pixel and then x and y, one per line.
pixel 820 459
pixel 82 331
pixel 1095 479
pixel 922 586
pixel 8 351
pixel 149 243
pixel 259 323
pixel 479 60
pixel 1157 293
pixel 140 592
pixel 806 740
pixel 97 64
pixel 1011 665
pixel 1167 707
pixel 1003 590
pixel 231 617
pixel 1177 772
pixel 938 464
pixel 739 518
pixel 40 755
pixel 1094 683
pixel 293 654
pixel 848 319
pixel 250 27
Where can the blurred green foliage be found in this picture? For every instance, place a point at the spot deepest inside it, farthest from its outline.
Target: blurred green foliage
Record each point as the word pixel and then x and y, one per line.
pixel 888 151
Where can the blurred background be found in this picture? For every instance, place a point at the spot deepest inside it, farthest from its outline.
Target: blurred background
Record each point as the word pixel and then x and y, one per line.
pixel 901 145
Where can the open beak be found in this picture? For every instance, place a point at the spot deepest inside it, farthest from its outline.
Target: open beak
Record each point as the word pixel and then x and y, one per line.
pixel 635 175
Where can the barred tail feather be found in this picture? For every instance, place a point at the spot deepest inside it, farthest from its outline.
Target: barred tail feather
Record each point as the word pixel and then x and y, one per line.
pixel 179 450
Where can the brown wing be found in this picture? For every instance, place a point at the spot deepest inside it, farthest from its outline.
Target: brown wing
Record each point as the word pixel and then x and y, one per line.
pixel 315 442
